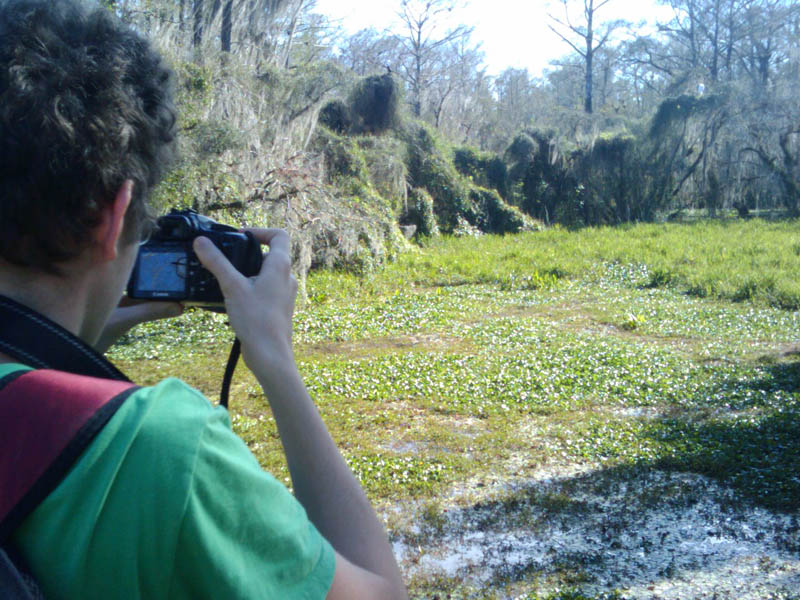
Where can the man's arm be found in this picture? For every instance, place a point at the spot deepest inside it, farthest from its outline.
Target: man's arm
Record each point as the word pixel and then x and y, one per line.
pixel 130 313
pixel 260 311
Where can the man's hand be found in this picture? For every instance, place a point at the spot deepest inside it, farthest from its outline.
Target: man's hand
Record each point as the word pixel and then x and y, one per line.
pixel 130 313
pixel 260 308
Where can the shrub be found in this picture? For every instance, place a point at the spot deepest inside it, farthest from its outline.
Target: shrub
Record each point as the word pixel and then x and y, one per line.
pixel 485 169
pixel 419 212
pixel 680 109
pixel 385 160
pixel 540 179
pixel 429 168
pixel 497 175
pixel 198 184
pixel 194 93
pixel 375 104
pixel 342 156
pixel 495 216
pixel 215 138
pixel 522 148
pixel 335 115
pixel 611 175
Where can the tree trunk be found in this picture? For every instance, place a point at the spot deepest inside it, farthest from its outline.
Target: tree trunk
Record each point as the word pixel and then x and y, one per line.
pixel 692 35
pixel 587 104
pixel 715 44
pixel 197 14
pixel 418 76
pixel 789 181
pixel 227 26
pixel 731 35
pixel 287 58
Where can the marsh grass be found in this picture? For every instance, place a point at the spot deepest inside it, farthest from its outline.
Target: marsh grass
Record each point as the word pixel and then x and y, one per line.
pixel 735 260
pixel 472 362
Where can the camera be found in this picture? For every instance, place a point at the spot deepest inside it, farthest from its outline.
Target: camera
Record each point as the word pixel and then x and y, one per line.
pixel 168 269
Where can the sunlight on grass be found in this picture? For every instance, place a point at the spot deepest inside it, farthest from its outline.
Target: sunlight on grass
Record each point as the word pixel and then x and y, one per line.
pixel 471 361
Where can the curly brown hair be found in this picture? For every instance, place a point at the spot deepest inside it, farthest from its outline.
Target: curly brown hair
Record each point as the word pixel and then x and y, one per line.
pixel 85 104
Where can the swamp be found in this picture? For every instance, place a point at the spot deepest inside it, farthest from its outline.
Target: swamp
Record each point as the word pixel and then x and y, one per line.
pixel 606 413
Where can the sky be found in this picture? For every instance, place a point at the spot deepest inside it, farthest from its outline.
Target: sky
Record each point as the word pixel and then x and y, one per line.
pixel 512 33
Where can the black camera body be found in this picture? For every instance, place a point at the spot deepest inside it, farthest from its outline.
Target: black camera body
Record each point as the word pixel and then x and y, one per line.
pixel 167 267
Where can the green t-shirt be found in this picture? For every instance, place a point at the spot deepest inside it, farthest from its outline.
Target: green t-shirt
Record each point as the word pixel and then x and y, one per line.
pixel 167 502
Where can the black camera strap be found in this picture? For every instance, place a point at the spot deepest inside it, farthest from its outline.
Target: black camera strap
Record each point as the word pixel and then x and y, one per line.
pixel 35 340
pixel 233 358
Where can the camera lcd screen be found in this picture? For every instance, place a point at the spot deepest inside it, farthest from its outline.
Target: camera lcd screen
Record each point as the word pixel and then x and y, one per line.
pixel 162 272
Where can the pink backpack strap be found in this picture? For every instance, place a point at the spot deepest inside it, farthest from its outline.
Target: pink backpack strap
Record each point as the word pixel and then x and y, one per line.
pixel 47 419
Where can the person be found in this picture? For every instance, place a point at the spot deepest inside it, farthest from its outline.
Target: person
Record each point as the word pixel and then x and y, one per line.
pixel 166 502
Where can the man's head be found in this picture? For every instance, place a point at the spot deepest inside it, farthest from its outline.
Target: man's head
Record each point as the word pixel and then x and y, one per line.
pixel 85 105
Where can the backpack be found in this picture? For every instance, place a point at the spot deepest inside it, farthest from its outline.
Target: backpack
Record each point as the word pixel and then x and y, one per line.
pixel 48 417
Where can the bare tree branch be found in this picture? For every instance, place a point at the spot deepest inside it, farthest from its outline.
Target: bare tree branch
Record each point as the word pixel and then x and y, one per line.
pixel 567 40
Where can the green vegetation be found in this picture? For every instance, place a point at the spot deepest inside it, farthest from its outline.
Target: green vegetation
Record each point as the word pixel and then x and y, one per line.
pixel 340 138
pixel 628 351
pixel 453 179
pixel 733 260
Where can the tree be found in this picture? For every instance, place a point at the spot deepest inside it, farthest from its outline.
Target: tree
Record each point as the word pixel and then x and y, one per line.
pixel 767 39
pixel 295 14
pixel 519 103
pixel 703 36
pixel 197 20
pixel 643 75
pixel 591 37
pixel 368 52
pixel 227 26
pixel 477 117
pixel 720 41
pixel 774 136
pixel 685 137
pixel 455 70
pixel 422 20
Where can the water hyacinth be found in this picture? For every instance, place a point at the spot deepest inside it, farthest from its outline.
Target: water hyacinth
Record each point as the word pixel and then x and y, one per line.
pixel 534 441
